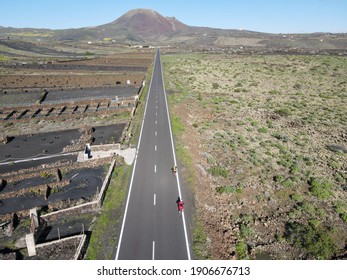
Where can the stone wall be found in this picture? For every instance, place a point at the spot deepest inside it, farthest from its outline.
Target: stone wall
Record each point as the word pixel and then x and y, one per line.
pixel 86 207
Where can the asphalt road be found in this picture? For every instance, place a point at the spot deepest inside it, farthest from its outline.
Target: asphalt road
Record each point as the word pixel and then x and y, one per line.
pixel 152 227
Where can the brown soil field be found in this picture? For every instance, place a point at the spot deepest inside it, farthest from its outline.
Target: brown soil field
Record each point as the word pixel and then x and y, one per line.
pixel 263 143
pixel 29 81
pixel 119 59
pixel 46 80
pixel 23 77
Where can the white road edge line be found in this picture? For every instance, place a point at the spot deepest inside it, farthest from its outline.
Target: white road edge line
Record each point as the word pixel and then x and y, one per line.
pixel 174 156
pixel 135 161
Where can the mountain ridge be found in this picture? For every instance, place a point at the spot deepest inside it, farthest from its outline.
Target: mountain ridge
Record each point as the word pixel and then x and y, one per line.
pixel 148 27
pixel 142 24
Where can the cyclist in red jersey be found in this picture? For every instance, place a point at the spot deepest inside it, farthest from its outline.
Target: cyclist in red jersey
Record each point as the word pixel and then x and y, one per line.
pixel 180 205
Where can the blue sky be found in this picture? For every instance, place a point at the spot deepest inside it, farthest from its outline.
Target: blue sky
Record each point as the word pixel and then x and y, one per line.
pixel 274 16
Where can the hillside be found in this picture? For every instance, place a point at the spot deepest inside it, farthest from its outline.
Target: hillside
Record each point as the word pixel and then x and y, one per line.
pixel 142 26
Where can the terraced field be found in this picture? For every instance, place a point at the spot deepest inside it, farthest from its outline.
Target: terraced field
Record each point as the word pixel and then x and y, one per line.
pixel 51 110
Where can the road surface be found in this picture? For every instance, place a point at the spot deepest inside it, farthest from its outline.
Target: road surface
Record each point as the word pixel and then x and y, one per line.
pixel 152 228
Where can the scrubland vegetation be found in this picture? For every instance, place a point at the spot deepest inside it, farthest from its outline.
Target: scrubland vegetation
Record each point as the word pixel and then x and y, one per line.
pixel 267 136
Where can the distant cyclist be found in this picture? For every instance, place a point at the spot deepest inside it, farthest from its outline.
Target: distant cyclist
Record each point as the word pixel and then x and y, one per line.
pixel 174 169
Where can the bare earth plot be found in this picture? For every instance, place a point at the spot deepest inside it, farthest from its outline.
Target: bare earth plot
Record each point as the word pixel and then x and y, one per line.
pixel 32 97
pixel 30 146
pixel 52 80
pixel 266 137
pixel 84 185
pixel 52 143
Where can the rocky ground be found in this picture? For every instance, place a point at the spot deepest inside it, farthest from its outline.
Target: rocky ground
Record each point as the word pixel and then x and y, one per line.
pixel 267 140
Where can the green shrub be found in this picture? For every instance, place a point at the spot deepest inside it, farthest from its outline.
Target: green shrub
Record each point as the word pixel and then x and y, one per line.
pixel 339 178
pixel 281 137
pixel 177 125
pixel 262 130
pixel 334 165
pixel 308 208
pixel 241 250
pixel 219 171
pixel 239 188
pixel 341 209
pixel 254 123
pixel 320 188
pixel 297 197
pixel 295 169
pixel 297 86
pixel 285 160
pixel 225 189
pixel 321 213
pixel 246 218
pixel 315 241
pixel 246 231
pixel 215 86
pixel 7 124
pixel 343 216
pixel 274 92
pixel 45 175
pixel 278 178
pixel 284 112
pixel 199 241
pixel 314 223
pixel 288 183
